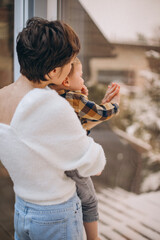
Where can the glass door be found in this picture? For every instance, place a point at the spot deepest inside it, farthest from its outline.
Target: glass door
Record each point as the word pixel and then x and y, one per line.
pixel 6 41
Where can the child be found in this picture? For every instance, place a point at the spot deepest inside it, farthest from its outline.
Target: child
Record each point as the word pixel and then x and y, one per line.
pixel 90 114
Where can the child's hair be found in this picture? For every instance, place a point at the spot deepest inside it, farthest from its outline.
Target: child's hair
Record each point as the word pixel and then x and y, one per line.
pixel 76 62
pixel 44 45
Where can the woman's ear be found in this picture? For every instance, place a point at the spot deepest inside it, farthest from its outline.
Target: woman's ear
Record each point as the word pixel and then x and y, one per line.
pixel 66 82
pixel 51 74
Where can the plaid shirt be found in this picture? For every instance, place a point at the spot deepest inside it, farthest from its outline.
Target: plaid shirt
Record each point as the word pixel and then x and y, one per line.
pixel 87 110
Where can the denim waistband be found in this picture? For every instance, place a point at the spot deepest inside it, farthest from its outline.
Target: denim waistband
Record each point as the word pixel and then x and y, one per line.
pixel 32 207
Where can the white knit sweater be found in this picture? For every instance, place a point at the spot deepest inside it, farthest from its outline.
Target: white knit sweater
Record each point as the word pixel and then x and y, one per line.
pixel 44 139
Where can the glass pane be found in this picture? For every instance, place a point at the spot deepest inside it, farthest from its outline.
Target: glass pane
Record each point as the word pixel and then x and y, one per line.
pixel 131 65
pixel 7 197
pixel 93 43
pixel 131 140
pixel 6 41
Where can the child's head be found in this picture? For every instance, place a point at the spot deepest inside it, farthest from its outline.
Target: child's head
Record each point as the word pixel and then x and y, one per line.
pixel 74 80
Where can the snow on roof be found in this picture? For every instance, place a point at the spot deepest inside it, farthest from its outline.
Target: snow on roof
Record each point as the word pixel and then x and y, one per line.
pixel 123 20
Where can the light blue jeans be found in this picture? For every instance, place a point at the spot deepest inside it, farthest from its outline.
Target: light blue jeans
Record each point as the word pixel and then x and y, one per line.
pixel 51 222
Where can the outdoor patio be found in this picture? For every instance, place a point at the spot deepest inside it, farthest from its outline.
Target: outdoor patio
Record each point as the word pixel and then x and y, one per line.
pixel 125 215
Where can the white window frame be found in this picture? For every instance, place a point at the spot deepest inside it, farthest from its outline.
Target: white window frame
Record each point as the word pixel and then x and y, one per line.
pixel 25 9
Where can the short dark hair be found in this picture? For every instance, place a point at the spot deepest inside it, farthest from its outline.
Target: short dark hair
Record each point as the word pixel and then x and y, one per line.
pixel 44 45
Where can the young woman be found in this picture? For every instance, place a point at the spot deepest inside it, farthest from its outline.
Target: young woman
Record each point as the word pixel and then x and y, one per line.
pixel 41 136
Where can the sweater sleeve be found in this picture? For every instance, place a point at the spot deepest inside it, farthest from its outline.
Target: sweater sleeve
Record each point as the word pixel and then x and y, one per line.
pixel 49 125
pixel 89 110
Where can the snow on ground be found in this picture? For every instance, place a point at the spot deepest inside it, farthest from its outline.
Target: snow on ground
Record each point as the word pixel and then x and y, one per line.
pixel 151 183
pixel 153 54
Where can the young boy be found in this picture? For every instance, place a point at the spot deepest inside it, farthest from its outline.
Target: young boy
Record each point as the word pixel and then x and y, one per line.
pixel 90 114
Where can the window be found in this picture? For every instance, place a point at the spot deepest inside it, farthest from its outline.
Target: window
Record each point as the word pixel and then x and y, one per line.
pixel 25 9
pixel 105 61
pixel 108 76
pixel 93 43
pixel 6 42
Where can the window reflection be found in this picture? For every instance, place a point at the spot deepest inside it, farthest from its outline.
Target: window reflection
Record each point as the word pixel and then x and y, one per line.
pixel 132 139
pixel 6 41
pixel 93 43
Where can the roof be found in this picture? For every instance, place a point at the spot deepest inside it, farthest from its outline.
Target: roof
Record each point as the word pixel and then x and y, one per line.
pixel 125 21
pixel 87 30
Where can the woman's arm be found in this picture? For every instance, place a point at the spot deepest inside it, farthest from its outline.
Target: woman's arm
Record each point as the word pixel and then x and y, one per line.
pixel 58 136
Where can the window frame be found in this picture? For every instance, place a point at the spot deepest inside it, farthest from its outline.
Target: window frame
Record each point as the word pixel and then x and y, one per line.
pixel 25 9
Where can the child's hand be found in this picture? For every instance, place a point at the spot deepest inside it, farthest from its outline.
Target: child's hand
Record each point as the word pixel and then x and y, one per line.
pixel 112 94
pixel 116 99
pixel 115 94
pixel 84 90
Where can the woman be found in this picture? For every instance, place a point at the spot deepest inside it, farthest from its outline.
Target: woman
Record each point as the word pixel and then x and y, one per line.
pixel 41 136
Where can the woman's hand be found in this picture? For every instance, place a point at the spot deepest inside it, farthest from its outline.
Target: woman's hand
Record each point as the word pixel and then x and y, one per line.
pixel 112 94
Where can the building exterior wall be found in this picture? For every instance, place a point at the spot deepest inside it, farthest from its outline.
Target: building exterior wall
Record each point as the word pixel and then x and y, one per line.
pixel 131 59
